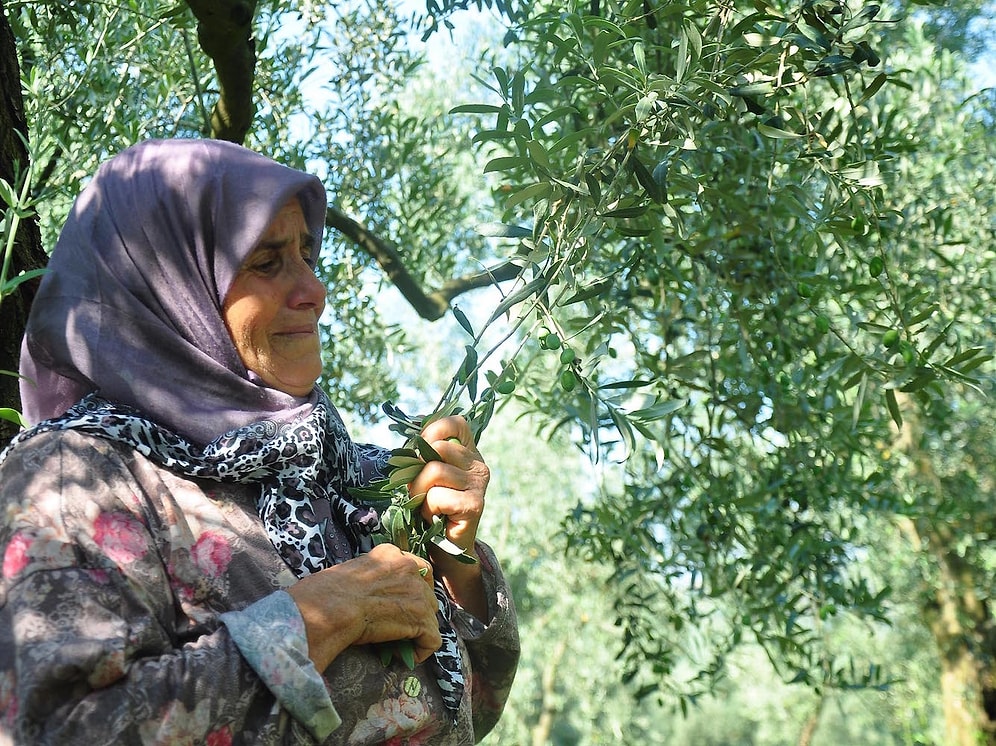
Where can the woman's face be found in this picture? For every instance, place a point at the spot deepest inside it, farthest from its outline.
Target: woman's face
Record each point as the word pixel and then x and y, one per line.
pixel 273 306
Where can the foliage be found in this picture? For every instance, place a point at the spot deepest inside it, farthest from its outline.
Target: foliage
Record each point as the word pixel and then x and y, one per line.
pixel 18 206
pixel 704 198
pixel 754 246
pixel 570 641
pixel 566 690
pixel 387 160
pixel 964 27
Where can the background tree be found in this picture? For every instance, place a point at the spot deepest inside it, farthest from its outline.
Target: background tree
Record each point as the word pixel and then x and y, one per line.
pixel 745 253
pixel 753 298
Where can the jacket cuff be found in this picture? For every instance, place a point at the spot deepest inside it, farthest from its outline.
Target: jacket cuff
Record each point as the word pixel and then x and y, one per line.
pixel 271 636
pixel 499 597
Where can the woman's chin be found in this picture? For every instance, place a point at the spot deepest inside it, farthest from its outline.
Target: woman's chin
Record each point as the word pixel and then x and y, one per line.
pixel 298 388
pixel 298 384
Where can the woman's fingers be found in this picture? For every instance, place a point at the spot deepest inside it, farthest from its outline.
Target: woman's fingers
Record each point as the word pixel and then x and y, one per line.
pixel 462 466
pixel 454 488
pixel 455 427
pixel 382 596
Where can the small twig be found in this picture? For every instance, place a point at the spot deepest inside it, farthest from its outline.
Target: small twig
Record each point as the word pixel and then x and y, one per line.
pixel 198 91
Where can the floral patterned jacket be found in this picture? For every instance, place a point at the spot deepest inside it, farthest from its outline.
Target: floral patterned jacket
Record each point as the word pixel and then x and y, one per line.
pixel 142 607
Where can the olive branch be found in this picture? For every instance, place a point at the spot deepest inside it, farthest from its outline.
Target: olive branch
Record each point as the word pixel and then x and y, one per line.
pixel 401 521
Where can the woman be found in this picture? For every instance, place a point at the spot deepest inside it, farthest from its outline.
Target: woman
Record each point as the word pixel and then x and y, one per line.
pixel 182 562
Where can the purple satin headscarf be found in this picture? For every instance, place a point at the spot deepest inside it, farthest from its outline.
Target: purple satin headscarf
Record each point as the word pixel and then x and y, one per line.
pixel 131 305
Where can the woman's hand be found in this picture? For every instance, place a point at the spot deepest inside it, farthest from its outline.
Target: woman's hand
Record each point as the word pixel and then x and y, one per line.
pixel 454 490
pixel 382 596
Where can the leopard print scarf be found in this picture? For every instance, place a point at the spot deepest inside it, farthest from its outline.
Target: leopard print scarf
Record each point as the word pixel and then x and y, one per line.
pixel 304 470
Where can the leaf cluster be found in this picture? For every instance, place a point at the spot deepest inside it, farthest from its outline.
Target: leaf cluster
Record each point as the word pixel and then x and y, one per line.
pixel 708 203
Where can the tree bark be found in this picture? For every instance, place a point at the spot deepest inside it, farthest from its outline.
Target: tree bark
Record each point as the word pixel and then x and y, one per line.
pixel 962 622
pixel 964 630
pixel 548 707
pixel 812 722
pixel 224 31
pixel 962 625
pixel 28 252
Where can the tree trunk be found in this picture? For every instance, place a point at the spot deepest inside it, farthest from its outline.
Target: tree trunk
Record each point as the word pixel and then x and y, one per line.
pixel 962 621
pixel 962 626
pixel 964 630
pixel 28 252
pixel 224 30
pixel 548 707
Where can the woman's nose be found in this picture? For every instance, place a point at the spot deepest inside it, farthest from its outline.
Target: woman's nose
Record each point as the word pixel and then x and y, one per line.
pixel 308 290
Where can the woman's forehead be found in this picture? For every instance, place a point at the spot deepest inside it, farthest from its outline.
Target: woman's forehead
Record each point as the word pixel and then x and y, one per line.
pixel 289 223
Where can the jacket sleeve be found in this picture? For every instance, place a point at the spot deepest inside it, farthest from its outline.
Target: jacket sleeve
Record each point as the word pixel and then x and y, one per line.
pixel 271 636
pixel 94 635
pixel 493 647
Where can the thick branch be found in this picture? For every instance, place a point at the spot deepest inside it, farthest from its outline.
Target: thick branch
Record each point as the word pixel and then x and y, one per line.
pixel 224 30
pixel 430 306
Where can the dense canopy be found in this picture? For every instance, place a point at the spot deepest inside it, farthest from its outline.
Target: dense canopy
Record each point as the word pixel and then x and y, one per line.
pixel 745 255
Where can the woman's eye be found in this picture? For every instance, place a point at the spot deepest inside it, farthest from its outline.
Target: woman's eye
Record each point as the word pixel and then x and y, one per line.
pixel 266 266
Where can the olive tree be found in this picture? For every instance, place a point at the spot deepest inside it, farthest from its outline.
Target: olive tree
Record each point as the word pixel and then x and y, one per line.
pixel 744 256
pixel 758 242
